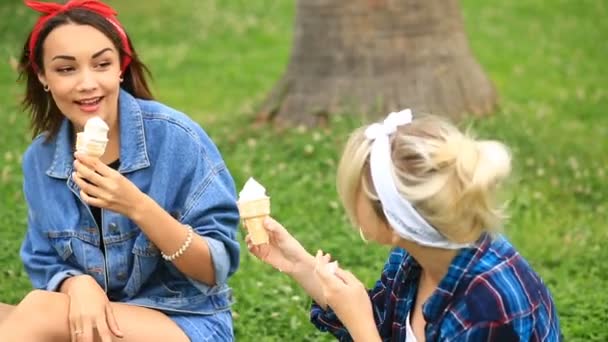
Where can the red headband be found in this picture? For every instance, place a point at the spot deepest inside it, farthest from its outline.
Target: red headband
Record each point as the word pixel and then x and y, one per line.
pixel 49 10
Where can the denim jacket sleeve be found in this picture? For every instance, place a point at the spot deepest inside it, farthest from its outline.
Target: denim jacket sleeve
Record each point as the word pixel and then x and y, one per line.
pixel 212 212
pixel 44 264
pixel 209 205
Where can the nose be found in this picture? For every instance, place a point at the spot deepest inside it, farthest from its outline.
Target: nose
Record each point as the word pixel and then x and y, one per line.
pixel 87 81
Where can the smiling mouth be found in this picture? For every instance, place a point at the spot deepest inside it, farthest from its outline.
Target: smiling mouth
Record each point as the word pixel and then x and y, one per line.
pixel 89 102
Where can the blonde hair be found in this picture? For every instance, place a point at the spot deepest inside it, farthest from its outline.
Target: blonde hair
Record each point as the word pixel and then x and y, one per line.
pixel 448 176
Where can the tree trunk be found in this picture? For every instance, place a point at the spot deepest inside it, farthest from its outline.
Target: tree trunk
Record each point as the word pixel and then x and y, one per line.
pixel 375 56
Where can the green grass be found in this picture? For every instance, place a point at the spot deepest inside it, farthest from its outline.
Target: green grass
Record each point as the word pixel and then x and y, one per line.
pixel 216 60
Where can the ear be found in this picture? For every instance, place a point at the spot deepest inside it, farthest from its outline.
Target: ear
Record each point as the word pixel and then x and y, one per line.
pixel 42 79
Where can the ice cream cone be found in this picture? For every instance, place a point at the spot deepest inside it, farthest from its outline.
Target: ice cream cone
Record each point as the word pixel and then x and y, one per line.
pixel 95 148
pixel 80 141
pixel 93 140
pixel 253 214
pixel 91 147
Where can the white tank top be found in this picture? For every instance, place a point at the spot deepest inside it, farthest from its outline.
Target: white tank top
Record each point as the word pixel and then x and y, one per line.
pixel 409 333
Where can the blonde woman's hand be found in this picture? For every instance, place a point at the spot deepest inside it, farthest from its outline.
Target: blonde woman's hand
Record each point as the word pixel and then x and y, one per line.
pixel 90 312
pixel 103 187
pixel 282 252
pixel 347 297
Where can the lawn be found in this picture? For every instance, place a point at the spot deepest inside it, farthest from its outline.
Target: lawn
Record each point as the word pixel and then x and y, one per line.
pixel 216 60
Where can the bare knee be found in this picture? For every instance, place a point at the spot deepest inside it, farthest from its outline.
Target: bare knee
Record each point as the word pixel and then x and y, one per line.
pixel 5 310
pixel 45 312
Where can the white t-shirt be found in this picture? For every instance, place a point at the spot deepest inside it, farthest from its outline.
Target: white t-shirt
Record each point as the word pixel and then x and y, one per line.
pixel 409 333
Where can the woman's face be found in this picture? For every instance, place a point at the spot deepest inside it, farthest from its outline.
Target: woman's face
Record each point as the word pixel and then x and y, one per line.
pixel 372 227
pixel 82 71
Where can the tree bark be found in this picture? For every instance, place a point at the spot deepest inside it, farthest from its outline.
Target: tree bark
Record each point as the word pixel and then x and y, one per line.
pixel 375 56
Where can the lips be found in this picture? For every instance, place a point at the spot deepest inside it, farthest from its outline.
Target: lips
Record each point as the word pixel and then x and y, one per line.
pixel 89 101
pixel 90 104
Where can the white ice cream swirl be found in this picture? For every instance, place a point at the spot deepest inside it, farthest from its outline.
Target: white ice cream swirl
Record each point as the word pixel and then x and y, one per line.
pixel 252 191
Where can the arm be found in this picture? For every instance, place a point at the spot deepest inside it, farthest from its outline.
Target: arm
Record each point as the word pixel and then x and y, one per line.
pixel 286 254
pixel 210 209
pixel 302 274
pixel 169 235
pixel 331 319
pixel 213 254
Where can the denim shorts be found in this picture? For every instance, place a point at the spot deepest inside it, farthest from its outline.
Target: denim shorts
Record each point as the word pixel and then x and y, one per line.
pixel 203 328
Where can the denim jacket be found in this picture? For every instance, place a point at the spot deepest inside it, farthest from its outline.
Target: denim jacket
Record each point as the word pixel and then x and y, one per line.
pixel 171 159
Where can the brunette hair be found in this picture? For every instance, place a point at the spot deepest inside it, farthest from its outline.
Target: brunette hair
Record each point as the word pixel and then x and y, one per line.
pixel 45 116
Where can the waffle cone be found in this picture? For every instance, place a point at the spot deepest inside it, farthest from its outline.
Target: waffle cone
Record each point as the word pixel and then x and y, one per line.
pixel 253 214
pixel 79 141
pixel 91 147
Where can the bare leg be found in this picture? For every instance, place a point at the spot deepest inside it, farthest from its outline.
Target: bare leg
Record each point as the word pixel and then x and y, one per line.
pixel 43 316
pixel 5 310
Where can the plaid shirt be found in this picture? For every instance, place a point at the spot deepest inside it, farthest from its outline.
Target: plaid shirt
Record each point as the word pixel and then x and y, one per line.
pixel 490 293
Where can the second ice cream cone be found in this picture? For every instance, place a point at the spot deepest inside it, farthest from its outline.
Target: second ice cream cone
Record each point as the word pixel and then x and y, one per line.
pixel 253 214
pixel 255 227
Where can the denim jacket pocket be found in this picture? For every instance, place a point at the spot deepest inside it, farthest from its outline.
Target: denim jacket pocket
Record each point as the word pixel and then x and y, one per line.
pixel 63 247
pixel 145 258
pixel 74 248
pixel 144 247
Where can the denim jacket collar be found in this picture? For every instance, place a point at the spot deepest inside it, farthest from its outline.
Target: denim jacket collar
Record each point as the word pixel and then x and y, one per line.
pixel 133 151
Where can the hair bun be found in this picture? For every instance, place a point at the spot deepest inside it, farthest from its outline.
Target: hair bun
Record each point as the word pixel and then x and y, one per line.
pixel 494 163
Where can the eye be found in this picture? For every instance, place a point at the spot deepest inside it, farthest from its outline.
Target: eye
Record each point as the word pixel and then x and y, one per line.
pixel 104 65
pixel 64 70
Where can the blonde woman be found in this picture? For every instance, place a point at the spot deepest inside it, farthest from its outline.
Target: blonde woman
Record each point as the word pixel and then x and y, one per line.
pixel 427 189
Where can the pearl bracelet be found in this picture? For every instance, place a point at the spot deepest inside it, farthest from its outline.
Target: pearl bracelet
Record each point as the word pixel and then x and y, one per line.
pixel 182 249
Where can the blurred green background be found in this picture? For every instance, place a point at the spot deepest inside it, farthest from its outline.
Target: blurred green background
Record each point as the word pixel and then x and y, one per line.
pixel 215 60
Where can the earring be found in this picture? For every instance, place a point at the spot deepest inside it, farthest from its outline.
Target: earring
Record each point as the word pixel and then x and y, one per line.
pixel 121 79
pixel 46 88
pixel 362 236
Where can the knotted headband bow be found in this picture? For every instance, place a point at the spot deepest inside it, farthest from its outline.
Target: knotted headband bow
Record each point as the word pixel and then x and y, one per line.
pixel 399 212
pixel 49 10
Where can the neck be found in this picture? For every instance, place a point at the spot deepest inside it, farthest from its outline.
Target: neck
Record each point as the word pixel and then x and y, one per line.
pixel 113 148
pixel 434 262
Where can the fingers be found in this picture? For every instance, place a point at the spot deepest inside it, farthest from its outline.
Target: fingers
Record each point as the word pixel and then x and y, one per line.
pixel 96 202
pixel 252 248
pixel 86 334
pixel 87 173
pixel 112 322
pixel 75 334
pixel 326 271
pixel 274 226
pixel 346 276
pixel 93 164
pixel 260 251
pixel 332 266
pixel 91 189
pixel 76 328
pixel 103 330
pixel 321 262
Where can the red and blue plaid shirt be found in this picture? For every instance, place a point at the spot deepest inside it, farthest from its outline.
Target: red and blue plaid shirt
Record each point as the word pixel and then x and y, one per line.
pixel 490 293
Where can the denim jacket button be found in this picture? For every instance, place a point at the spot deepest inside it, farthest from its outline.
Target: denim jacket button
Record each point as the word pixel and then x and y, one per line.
pixel 113 228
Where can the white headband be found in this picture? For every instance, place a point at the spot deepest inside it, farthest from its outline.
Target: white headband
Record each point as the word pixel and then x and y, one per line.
pixel 400 213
